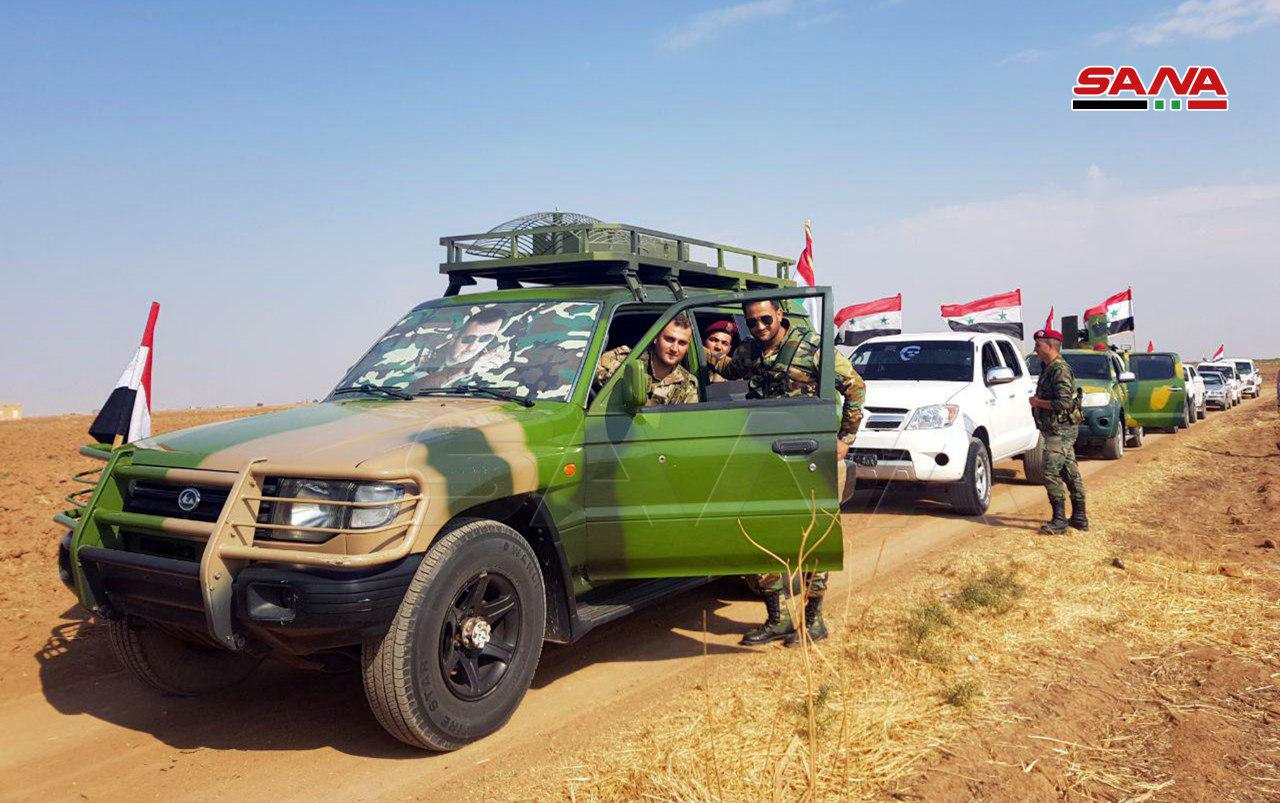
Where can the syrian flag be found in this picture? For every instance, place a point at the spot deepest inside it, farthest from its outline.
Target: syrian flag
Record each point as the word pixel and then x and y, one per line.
pixel 999 313
pixel 126 415
pixel 1118 311
pixel 1217 355
pixel 804 267
pixel 858 322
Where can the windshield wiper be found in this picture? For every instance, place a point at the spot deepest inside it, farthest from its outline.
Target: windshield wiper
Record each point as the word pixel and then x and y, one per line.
pixel 386 390
pixel 459 390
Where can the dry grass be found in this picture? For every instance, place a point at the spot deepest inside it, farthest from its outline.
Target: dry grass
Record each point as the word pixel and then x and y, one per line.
pixel 907 672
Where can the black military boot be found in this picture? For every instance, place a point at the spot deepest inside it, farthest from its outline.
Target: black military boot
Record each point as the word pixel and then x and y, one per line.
pixel 813 622
pixel 1058 524
pixel 776 626
pixel 1079 518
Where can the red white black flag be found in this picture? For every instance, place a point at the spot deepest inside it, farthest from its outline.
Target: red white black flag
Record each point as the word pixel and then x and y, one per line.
pixel 127 412
pixel 1217 355
pixel 999 313
pixel 804 267
pixel 858 322
pixel 1119 312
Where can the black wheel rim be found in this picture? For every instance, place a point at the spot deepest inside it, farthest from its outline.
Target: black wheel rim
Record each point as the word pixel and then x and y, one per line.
pixel 472 670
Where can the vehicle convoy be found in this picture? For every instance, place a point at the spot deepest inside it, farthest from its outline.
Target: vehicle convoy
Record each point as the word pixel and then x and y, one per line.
pixel 1230 374
pixel 941 409
pixel 1158 396
pixel 1250 377
pixel 1103 381
pixel 464 493
pixel 1195 391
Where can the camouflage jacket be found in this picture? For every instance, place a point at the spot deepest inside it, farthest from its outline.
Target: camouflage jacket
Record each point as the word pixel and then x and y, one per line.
pixel 793 369
pixel 677 387
pixel 1057 384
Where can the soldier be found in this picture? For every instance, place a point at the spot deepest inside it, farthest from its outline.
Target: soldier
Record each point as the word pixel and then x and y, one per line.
pixel 719 340
pixel 669 381
pixel 782 359
pixel 1056 409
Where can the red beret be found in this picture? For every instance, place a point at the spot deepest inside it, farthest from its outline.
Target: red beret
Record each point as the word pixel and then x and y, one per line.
pixel 1048 334
pixel 722 326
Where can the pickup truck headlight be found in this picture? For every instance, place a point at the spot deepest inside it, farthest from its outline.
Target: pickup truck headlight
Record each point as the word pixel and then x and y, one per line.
pixel 313 512
pixel 934 416
pixel 1095 398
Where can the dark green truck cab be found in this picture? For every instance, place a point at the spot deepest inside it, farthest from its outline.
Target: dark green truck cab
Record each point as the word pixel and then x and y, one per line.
pixel 1104 383
pixel 467 491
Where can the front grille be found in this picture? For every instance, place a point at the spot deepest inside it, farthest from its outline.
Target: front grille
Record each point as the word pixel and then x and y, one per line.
pixel 161 546
pixel 884 423
pixel 897 410
pixel 161 499
pixel 886 455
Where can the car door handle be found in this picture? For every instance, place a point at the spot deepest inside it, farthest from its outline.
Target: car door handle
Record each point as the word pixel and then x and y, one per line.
pixel 795 448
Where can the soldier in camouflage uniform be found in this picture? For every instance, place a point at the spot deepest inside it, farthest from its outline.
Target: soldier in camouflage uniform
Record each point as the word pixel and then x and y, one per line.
pixel 669 382
pixel 1056 409
pixel 782 359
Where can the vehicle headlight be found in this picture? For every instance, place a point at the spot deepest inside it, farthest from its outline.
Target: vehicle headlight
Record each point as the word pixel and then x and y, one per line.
pixel 934 416
pixel 314 507
pixel 1095 398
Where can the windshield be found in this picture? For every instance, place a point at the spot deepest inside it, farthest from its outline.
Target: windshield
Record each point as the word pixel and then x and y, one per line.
pixel 1243 367
pixel 530 348
pixel 1211 377
pixel 1089 366
pixel 924 360
pixel 1151 366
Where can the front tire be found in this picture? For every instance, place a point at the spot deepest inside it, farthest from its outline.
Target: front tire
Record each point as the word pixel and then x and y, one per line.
pixel 461 652
pixel 173 666
pixel 972 495
pixel 1113 447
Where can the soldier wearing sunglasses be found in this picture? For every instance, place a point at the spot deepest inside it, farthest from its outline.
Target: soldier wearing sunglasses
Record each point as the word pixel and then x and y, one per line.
pixel 781 358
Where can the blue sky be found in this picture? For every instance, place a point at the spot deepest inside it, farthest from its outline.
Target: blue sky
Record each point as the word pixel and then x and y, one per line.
pixel 278 174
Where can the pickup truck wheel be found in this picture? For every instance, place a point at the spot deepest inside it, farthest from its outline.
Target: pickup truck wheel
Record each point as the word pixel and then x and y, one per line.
pixel 1135 437
pixel 972 495
pixel 1113 447
pixel 461 651
pixel 173 666
pixel 1033 463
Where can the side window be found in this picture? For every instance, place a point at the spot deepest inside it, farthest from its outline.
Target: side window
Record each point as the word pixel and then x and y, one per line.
pixel 990 359
pixel 1011 360
pixel 720 332
pixel 629 324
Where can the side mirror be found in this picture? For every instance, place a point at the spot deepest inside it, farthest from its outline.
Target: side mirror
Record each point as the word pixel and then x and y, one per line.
pixel 1000 376
pixel 1127 376
pixel 632 387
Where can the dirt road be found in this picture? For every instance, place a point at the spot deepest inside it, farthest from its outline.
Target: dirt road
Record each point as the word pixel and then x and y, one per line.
pixel 74 726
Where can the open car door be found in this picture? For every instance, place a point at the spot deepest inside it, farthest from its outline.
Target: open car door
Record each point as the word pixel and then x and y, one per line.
pixel 713 488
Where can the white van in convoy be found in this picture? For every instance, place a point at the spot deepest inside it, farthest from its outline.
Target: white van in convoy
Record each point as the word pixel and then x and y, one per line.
pixel 1250 377
pixel 944 408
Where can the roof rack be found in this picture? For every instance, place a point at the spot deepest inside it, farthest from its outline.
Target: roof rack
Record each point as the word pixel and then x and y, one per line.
pixel 603 253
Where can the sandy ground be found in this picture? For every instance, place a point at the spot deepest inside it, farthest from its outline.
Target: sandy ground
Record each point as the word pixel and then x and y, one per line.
pixel 73 726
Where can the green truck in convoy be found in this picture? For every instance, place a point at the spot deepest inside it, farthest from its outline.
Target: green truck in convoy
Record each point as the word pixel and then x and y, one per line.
pixel 465 492
pixel 1158 397
pixel 1104 382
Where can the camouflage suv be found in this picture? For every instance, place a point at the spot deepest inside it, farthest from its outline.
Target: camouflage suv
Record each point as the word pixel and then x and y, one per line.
pixel 464 493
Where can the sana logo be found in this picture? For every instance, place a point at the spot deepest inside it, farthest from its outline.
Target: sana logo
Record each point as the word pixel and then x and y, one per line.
pixel 1122 88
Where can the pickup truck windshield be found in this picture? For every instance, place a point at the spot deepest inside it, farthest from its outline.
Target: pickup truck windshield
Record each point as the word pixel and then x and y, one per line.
pixel 1243 368
pixel 532 348
pixel 1090 366
pixel 1151 366
pixel 920 360
pixel 1211 377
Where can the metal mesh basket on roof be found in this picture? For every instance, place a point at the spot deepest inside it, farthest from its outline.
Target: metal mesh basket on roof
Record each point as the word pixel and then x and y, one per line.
pixel 506 245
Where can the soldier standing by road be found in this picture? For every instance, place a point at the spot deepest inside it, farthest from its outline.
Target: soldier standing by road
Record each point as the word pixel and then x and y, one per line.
pixel 782 359
pixel 669 382
pixel 1056 409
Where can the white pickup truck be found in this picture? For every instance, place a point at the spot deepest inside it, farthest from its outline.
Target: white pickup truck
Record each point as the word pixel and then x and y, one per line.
pixel 944 408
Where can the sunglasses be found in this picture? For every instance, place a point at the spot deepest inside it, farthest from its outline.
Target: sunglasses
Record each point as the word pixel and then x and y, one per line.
pixel 764 321
pixel 467 340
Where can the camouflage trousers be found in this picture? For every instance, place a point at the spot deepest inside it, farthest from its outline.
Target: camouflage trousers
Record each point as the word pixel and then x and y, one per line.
pixel 1060 467
pixel 816 582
